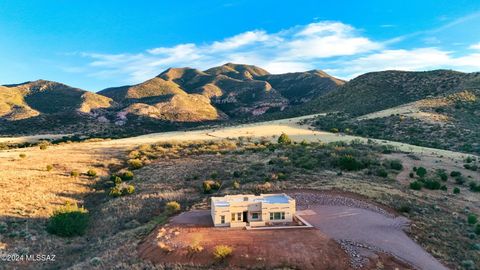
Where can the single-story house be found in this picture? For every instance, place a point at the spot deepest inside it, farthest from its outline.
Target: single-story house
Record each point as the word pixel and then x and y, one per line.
pixel 252 210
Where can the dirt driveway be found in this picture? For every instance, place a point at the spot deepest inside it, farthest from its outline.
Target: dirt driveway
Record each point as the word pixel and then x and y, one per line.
pixel 359 226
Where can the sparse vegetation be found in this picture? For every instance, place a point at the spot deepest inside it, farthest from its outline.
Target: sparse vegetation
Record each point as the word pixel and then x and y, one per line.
pixel 49 167
pixel 284 139
pixel 91 173
pixel 135 164
pixel 221 252
pixel 74 173
pixel 172 207
pixel 22 155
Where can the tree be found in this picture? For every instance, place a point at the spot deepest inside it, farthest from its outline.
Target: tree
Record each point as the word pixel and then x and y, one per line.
pixel 284 139
pixel 421 172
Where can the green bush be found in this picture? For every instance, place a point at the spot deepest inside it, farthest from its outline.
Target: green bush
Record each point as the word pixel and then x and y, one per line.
pixel 477 229
pixel 172 207
pixel 349 163
pixel 421 172
pixel 432 184
pixel 121 190
pixel 221 252
pixel 91 173
pixel 474 187
pixel 127 175
pixel 411 174
pixel 49 167
pixel 442 174
pixel 416 185
pixel 394 164
pixel 210 186
pixel 74 173
pixel 22 155
pixel 284 139
pixel 460 180
pixel 472 219
pixel 456 190
pixel 135 163
pixel 455 173
pixel 69 220
pixel 382 172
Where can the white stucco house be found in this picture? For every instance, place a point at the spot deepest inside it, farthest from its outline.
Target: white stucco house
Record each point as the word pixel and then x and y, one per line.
pixel 252 210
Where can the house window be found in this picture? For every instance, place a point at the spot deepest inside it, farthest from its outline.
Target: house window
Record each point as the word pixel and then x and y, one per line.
pixel 222 219
pixel 277 215
pixel 233 216
pixel 254 215
pixel 239 216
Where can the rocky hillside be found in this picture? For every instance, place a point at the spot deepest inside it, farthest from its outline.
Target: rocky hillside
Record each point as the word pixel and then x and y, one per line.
pixel 38 98
pixel 377 91
pixel 438 109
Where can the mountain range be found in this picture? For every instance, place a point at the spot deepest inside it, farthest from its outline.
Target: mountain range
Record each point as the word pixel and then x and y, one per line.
pixel 180 97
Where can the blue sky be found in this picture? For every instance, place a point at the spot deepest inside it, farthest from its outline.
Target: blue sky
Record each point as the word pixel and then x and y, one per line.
pixel 94 45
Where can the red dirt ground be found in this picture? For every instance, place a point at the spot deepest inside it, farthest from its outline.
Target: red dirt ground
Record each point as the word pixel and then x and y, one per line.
pixel 294 248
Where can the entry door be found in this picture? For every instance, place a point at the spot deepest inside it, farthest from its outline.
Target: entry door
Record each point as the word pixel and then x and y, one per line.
pixel 245 216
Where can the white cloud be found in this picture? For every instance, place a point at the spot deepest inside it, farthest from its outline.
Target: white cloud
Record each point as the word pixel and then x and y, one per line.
pixel 412 60
pixel 475 46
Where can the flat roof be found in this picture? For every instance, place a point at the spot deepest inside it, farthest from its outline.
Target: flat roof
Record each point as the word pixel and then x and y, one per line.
pixel 263 198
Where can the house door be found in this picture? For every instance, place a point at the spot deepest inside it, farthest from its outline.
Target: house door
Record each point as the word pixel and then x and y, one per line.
pixel 245 216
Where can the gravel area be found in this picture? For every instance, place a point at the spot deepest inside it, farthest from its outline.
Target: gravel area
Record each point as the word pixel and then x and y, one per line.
pixel 358 227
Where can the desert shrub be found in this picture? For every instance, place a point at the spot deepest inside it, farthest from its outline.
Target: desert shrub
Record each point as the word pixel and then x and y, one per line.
pixel 49 167
pixel 116 179
pixel 442 174
pixel 405 208
pixel 236 184
pixel 43 147
pixel 22 155
pixel 431 184
pixel 456 190
pixel 416 185
pixel 334 130
pixel 121 190
pixel 460 180
pixel 477 229
pixel 469 159
pixel 444 188
pixel 195 247
pixel 284 139
pixel 474 187
pixel 135 164
pixel 210 186
pixel 394 164
pixel 69 220
pixel 411 174
pixel 135 154
pixel 172 207
pixel 472 219
pixel 221 252
pixel 91 173
pixel 455 174
pixel 421 172
pixel 74 173
pixel 471 167
pixel 127 175
pixel 382 172
pixel 349 163
pixel 265 187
